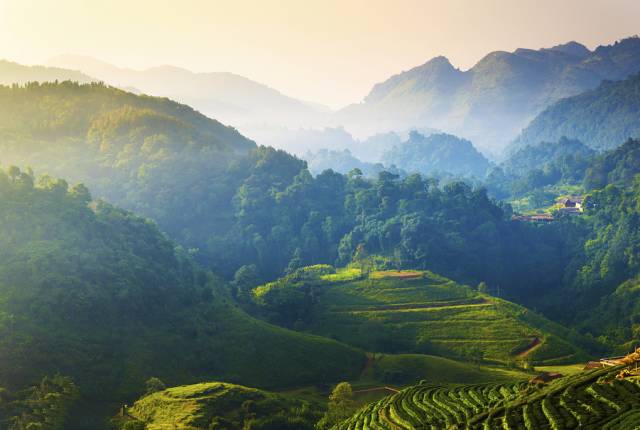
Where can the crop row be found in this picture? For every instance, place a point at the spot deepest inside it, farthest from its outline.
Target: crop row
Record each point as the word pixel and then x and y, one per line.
pixel 590 401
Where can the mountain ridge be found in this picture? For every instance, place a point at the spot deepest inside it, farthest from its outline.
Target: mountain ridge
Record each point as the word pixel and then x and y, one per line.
pixel 493 100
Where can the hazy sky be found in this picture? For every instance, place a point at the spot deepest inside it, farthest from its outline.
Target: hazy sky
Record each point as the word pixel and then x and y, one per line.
pixel 329 51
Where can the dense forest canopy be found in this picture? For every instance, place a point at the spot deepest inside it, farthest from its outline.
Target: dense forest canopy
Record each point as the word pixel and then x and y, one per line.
pixel 93 292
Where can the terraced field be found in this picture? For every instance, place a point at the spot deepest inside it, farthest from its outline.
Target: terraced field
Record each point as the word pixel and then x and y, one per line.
pixel 589 400
pixel 421 312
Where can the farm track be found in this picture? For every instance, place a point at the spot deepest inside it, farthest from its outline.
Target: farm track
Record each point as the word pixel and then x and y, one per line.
pixel 415 306
pixel 535 344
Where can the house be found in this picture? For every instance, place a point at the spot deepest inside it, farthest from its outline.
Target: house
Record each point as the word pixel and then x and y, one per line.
pixel 572 202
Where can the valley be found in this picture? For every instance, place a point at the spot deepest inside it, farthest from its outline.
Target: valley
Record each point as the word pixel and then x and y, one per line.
pixel 185 247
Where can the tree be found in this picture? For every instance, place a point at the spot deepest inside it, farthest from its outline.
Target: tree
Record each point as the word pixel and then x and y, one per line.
pixel 362 260
pixel 341 406
pixel 295 263
pixel 244 280
pixel 482 287
pixel 154 385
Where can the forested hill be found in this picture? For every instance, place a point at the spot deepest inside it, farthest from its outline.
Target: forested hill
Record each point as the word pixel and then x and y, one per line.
pixel 95 112
pixel 93 292
pixel 436 154
pixel 602 118
pixel 543 154
pixel 151 155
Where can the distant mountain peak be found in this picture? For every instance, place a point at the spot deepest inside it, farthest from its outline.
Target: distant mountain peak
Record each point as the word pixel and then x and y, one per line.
pixel 439 61
pixel 493 101
pixel 572 48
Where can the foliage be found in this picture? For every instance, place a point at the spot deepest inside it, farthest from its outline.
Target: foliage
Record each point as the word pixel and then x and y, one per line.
pixel 600 118
pixel 45 406
pixel 438 153
pixel 533 169
pixel 616 167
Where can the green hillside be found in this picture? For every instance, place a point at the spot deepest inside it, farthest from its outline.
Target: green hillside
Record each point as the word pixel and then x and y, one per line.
pixel 602 118
pixel 93 292
pixel 156 157
pixel 231 406
pixel 589 400
pixel 438 153
pixel 217 405
pixel 403 369
pixel 414 312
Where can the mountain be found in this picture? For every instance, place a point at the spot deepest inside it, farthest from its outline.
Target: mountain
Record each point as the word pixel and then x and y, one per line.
pixel 492 101
pixel 228 97
pixel 14 73
pixel 98 294
pixel 437 154
pixel 602 118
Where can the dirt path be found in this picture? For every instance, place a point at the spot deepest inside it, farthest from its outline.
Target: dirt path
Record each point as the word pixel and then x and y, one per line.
pixel 371 390
pixel 412 306
pixel 535 343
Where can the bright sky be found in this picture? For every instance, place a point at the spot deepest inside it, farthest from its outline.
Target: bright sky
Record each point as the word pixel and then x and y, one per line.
pixel 329 51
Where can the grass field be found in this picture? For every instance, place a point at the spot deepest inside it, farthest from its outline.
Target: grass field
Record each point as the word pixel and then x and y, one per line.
pixel 423 313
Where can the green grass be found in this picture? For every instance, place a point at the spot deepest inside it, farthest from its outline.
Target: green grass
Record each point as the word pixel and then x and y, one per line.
pixel 400 369
pixel 424 313
pixel 588 400
pixel 566 370
pixel 197 406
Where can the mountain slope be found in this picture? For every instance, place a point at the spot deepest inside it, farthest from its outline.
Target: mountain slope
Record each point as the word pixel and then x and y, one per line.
pixel 437 154
pixel 231 98
pixel 539 155
pixel 156 157
pixel 413 312
pixel 491 102
pixel 602 118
